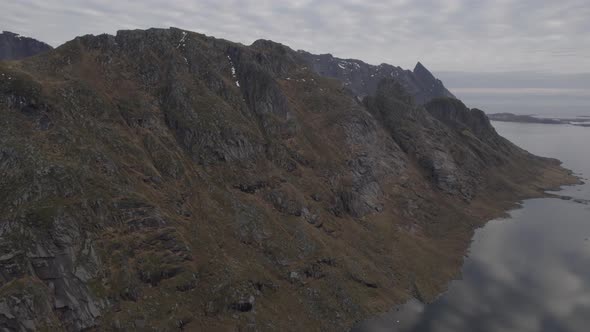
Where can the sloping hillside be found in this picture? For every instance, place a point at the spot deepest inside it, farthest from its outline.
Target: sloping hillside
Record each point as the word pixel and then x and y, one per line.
pixel 165 179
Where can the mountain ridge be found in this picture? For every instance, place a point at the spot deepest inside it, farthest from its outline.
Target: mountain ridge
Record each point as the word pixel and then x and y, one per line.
pixel 14 46
pixel 363 78
pixel 166 179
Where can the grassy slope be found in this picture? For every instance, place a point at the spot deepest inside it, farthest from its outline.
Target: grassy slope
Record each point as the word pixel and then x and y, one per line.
pixel 181 246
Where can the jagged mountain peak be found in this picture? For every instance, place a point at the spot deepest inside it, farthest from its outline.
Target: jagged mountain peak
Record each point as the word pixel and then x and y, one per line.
pixel 363 79
pixel 420 67
pixel 424 74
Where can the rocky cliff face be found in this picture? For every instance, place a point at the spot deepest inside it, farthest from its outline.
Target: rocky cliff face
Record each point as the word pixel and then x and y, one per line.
pixel 363 79
pixel 165 179
pixel 14 46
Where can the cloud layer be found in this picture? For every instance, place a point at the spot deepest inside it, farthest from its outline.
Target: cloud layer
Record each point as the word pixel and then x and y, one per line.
pixel 484 35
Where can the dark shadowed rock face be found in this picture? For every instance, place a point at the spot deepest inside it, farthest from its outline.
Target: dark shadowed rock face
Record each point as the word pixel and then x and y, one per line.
pixel 164 179
pixel 14 46
pixel 456 115
pixel 363 79
pixel 452 143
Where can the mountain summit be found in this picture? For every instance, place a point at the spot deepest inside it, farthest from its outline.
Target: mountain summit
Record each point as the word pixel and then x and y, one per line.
pixel 14 46
pixel 163 179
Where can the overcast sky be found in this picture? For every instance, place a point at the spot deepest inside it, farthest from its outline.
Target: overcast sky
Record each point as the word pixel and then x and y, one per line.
pixel 446 35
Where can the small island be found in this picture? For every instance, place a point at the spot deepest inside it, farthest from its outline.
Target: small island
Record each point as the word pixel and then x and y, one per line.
pixel 511 117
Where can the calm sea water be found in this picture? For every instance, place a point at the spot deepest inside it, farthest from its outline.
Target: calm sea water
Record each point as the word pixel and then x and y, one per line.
pixel 528 272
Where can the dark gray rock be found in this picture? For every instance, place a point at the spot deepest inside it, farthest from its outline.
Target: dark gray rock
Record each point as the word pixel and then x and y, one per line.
pixel 284 202
pixel 456 115
pixel 14 46
pixel 454 168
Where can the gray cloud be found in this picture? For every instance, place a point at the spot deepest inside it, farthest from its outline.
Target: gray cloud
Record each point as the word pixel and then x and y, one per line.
pixel 484 35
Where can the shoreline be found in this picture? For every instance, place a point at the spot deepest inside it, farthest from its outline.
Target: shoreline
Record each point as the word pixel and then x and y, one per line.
pixel 560 179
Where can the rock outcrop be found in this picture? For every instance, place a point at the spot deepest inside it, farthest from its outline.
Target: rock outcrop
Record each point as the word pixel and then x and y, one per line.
pixel 164 179
pixel 14 46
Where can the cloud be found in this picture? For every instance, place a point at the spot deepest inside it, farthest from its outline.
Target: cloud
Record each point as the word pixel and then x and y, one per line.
pixel 487 35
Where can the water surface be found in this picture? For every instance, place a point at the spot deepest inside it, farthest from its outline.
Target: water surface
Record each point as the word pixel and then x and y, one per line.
pixel 528 272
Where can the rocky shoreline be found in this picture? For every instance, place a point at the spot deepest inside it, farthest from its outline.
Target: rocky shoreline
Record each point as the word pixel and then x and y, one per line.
pixel 556 179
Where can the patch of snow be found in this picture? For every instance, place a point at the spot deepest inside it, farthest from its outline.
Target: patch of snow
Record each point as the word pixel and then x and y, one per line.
pixel 341 66
pixel 181 42
pixel 185 60
pixel 233 70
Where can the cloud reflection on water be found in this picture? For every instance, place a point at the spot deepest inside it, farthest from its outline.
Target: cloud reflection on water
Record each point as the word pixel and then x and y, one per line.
pixel 528 272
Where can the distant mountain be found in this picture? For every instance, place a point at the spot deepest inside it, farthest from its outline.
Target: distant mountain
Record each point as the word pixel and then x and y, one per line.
pixel 14 46
pixel 363 79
